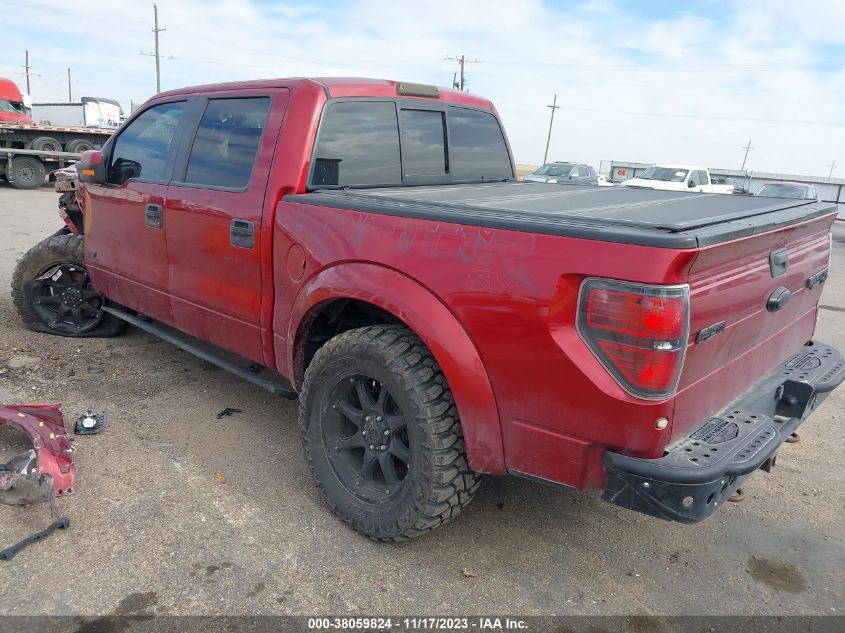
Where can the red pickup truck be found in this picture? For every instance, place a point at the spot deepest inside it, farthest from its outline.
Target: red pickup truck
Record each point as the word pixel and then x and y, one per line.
pixel 364 245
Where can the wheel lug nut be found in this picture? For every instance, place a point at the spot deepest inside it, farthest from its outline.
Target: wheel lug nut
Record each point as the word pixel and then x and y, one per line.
pixel 383 447
pixel 372 447
pixel 387 431
pixel 378 418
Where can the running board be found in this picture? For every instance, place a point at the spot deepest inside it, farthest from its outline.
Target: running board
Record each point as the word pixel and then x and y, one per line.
pixel 285 391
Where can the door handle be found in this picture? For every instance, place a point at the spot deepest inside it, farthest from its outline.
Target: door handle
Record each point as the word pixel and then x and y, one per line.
pixel 242 233
pixel 153 215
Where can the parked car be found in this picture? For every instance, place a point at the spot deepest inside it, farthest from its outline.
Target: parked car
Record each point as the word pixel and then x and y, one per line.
pixel 566 173
pixel 796 190
pixel 437 319
pixel 678 178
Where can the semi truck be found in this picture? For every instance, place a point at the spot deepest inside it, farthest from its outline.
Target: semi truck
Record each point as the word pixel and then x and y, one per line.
pixel 28 150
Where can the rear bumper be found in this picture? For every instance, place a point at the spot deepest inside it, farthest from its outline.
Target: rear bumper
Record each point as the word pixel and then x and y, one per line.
pixel 702 471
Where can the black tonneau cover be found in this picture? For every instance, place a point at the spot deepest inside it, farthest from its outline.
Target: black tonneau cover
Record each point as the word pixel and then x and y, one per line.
pixel 615 214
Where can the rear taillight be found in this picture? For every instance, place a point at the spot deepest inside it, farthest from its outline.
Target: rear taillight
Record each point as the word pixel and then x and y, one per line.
pixel 638 332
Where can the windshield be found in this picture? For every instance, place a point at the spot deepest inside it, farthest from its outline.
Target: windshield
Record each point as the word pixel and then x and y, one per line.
pixel 554 169
pixel 666 174
pixel 783 191
pixel 12 106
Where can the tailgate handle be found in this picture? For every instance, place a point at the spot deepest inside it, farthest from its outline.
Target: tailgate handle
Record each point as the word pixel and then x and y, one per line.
pixel 778 262
pixel 153 215
pixel 778 299
pixel 242 233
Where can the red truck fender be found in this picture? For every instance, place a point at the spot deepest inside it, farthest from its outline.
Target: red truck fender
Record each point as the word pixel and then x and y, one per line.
pixel 431 320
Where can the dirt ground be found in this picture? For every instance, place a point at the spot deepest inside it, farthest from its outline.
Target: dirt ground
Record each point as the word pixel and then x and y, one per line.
pixel 178 512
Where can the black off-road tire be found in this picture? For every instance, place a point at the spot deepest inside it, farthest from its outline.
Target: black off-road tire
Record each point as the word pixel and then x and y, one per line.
pixel 25 172
pixel 61 249
pixel 438 482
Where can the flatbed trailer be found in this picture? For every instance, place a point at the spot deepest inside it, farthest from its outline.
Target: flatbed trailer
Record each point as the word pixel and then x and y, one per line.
pixel 28 152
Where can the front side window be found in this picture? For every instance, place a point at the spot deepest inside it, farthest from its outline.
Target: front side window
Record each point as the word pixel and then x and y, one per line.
pixel 143 149
pixel 423 143
pixel 226 143
pixel 15 107
pixel 695 179
pixel 477 149
pixel 358 145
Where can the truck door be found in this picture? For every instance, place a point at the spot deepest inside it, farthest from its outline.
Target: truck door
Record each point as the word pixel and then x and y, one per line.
pixel 125 247
pixel 214 213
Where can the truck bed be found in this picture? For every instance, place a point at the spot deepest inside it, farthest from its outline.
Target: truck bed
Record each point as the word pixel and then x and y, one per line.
pixel 614 214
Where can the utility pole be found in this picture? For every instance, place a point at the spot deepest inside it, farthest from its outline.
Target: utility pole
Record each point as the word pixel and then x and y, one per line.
pixel 69 90
pixel 554 107
pixel 27 67
pixel 462 61
pixel 747 149
pixel 832 167
pixel 156 30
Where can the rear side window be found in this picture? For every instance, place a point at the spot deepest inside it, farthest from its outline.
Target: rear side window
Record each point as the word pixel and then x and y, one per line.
pixel 477 149
pixel 143 149
pixel 226 144
pixel 358 145
pixel 423 143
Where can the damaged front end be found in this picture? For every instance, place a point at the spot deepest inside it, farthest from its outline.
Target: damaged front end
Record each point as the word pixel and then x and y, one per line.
pixel 41 474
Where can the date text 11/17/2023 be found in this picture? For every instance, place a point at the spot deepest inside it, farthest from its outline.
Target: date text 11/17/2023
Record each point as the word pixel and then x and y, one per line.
pixel 417 624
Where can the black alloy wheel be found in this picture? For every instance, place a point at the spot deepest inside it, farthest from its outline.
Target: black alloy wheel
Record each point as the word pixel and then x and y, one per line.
pixel 366 438
pixel 66 301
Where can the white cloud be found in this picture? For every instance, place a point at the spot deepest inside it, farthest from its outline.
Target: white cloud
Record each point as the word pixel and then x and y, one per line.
pixel 751 62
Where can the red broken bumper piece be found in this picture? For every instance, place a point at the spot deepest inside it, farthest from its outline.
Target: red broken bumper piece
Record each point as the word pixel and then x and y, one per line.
pixel 45 427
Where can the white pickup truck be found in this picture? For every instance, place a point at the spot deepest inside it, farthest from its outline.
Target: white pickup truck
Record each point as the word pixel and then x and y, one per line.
pixel 678 178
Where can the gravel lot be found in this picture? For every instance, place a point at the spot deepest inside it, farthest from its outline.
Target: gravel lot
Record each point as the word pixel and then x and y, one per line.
pixel 155 530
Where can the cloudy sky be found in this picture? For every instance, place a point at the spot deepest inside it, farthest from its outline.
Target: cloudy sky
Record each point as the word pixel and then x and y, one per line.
pixel 648 81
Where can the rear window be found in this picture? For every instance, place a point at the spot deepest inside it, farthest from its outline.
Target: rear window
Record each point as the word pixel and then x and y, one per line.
pixel 358 145
pixel 423 143
pixel 477 148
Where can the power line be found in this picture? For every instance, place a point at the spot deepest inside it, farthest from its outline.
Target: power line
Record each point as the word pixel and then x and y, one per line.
pixel 678 114
pixel 774 66
pixel 554 106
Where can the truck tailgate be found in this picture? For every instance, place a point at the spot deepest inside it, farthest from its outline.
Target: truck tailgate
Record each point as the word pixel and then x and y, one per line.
pixel 731 285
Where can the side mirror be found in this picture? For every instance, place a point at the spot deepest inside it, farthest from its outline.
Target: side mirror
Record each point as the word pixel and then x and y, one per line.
pixel 691 184
pixel 92 167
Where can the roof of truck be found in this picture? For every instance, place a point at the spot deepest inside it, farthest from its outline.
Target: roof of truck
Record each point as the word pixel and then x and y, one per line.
pixel 336 87
pixel 9 90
